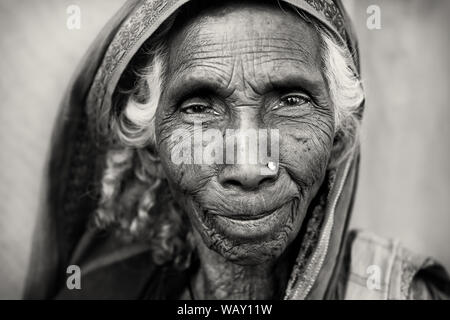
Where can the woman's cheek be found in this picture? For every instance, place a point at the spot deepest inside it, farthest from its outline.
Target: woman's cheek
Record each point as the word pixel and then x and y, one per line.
pixel 304 154
pixel 184 169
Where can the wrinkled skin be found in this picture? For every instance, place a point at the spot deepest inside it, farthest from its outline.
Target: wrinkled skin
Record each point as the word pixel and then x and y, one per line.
pixel 246 66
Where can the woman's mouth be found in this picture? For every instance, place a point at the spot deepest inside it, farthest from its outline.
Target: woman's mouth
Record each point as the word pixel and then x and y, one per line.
pixel 245 227
pixel 246 217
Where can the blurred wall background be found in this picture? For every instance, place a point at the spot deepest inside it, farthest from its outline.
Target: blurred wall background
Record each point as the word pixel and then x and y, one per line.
pixel 404 186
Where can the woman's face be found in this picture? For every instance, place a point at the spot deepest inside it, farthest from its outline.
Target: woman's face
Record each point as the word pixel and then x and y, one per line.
pixel 254 68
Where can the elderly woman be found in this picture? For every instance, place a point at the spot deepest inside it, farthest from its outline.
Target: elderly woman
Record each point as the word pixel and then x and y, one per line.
pixel 141 225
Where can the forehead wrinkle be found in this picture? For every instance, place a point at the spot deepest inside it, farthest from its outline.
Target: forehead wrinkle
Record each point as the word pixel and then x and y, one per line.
pixel 255 56
pixel 192 49
pixel 248 25
pixel 249 73
pixel 192 67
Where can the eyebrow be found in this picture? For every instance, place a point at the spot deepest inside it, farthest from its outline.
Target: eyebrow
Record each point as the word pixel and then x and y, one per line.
pixel 184 87
pixel 190 82
pixel 314 84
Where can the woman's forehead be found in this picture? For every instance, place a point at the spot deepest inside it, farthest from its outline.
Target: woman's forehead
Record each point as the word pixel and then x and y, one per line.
pixel 245 21
pixel 259 39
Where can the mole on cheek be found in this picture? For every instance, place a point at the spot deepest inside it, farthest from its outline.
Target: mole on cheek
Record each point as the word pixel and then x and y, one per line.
pixel 302 140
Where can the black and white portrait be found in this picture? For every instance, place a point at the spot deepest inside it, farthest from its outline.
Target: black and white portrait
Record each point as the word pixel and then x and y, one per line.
pixel 215 150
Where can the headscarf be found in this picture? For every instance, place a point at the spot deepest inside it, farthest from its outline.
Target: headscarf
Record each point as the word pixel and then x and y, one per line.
pixel 78 152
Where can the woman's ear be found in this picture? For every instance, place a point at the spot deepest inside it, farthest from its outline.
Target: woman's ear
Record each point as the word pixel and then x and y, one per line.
pixel 342 145
pixel 150 162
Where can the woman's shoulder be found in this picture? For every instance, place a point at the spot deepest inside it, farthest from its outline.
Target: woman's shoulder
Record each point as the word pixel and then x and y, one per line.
pixel 382 268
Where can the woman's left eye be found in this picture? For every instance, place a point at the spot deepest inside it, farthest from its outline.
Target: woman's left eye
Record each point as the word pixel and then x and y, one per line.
pixel 293 100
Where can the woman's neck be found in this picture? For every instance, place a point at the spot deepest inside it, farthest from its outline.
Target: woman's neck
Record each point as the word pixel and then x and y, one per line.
pixel 218 278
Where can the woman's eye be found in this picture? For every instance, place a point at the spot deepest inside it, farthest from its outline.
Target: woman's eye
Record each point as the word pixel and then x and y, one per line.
pixel 292 100
pixel 196 108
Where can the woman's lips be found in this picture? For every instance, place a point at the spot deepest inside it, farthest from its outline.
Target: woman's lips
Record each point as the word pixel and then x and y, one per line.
pixel 251 227
pixel 246 217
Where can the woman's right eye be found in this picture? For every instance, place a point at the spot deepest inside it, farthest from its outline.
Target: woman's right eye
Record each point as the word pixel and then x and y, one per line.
pixel 196 108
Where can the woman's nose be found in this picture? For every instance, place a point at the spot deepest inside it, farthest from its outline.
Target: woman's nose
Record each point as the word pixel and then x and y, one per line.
pixel 247 176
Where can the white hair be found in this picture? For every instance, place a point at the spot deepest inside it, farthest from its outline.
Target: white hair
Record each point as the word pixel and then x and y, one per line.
pixel 345 90
pixel 136 123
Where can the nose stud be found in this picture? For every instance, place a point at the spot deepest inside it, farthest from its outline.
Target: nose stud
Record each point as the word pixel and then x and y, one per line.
pixel 272 166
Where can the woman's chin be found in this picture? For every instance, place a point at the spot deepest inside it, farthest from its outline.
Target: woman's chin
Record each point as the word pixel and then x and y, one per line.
pixel 251 253
pixel 252 240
